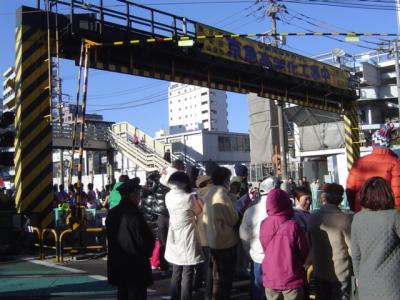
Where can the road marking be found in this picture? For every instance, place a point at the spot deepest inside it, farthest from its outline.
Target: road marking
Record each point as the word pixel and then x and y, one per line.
pixel 53 265
pixel 98 277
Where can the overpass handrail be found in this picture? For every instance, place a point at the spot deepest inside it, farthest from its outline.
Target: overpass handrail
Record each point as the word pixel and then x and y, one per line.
pixel 150 143
pixel 93 132
pixel 127 13
pixel 122 145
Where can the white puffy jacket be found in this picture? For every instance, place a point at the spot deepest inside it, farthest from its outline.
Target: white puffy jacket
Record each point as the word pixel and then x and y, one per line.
pixel 249 230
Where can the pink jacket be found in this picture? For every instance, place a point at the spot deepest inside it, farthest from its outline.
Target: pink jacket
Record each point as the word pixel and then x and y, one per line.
pixel 284 244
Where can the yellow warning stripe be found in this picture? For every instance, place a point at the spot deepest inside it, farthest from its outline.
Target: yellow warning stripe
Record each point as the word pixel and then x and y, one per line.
pixel 32 114
pixel 28 159
pixel 48 219
pixel 44 203
pixel 36 150
pixel 34 193
pixel 228 35
pixel 33 171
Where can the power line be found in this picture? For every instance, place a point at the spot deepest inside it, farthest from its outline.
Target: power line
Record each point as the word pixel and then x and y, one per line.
pixel 329 24
pixel 126 91
pixel 328 36
pixel 149 97
pixel 361 4
pixel 131 106
pixel 340 4
pixel 316 25
pixel 234 14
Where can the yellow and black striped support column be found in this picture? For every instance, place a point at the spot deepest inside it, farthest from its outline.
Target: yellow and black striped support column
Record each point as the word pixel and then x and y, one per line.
pixel 352 135
pixel 33 143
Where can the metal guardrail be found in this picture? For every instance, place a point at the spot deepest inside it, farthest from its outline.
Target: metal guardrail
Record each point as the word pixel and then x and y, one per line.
pixel 59 241
pixel 62 248
pixel 132 16
pixel 92 132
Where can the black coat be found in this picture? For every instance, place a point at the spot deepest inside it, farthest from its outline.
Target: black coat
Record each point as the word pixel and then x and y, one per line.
pixel 130 245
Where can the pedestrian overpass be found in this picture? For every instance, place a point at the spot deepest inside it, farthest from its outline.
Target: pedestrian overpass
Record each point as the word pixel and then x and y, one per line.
pixel 142 41
pixel 148 155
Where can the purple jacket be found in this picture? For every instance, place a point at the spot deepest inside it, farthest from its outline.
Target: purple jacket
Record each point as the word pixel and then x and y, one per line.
pixel 284 245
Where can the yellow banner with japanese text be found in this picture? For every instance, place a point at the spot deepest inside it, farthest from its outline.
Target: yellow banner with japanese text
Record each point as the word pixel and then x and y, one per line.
pixel 249 51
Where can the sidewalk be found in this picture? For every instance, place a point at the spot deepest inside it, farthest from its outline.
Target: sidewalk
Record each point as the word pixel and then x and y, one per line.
pixel 28 278
pixel 31 279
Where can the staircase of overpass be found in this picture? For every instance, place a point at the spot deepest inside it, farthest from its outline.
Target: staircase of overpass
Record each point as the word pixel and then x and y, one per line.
pixel 147 155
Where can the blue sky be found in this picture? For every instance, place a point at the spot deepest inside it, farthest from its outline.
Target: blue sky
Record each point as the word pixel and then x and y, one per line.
pixel 108 90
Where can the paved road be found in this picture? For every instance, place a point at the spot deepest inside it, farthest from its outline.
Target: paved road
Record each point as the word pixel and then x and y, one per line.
pixel 31 279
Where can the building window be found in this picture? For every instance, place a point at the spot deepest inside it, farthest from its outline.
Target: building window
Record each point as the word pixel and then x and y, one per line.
pixel 233 143
pixel 205 121
pixel 224 144
pixel 204 93
pixel 204 102
pixel 204 111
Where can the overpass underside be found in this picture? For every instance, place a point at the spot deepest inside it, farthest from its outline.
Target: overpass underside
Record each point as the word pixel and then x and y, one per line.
pixel 215 63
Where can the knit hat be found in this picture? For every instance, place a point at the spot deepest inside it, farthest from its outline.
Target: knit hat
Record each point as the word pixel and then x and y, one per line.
pixel 240 170
pixel 382 137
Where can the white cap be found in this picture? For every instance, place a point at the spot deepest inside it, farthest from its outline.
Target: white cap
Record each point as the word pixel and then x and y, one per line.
pixel 267 185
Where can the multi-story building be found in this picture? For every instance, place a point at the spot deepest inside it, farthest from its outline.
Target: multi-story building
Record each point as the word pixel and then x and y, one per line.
pixel 378 103
pixel 195 108
pixel 199 146
pixel 68 112
pixel 378 91
pixel 318 136
pixel 198 127
pixel 8 102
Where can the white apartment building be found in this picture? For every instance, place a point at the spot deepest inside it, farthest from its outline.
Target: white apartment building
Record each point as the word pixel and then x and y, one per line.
pixel 8 91
pixel 195 108
pixel 197 147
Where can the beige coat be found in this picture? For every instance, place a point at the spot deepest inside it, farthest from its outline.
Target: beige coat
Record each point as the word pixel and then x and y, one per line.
pixel 183 243
pixel 218 219
pixel 329 231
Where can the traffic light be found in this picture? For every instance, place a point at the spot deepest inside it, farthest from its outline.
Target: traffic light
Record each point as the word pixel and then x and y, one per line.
pixel 7 136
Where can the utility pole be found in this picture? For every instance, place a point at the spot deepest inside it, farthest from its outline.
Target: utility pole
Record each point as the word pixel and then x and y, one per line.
pixel 272 11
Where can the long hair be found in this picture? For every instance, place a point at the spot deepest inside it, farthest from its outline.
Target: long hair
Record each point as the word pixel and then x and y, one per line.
pixel 376 194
